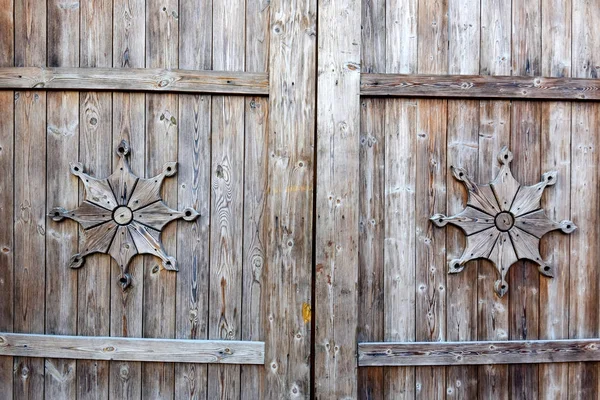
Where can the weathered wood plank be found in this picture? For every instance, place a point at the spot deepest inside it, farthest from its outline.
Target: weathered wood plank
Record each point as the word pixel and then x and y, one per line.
pixel 255 231
pixel 256 162
pixel 191 320
pixel 7 250
pixel 29 233
pixel 132 349
pixel 162 130
pixel 584 248
pixel 556 155
pixel 371 238
pixel 494 133
pixel 61 189
pixel 337 219
pixel 135 79
pixel 585 184
pixel 525 143
pixel 479 86
pixel 399 237
pixel 430 195
pixel 128 122
pixel 29 206
pixel 288 267
pixel 479 352
pixel 95 123
pixel 462 151
pixel 399 281
pixel 7 155
pixel 226 251
pixel 371 199
pixel 227 197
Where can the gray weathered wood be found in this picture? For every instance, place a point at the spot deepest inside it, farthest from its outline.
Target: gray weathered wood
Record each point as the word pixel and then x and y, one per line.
pixel 288 267
pixel 478 353
pixel 132 349
pixel 135 79
pixel 479 86
pixel 337 219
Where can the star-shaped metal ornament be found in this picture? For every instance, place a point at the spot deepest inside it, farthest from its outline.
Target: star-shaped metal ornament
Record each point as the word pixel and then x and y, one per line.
pixel 503 221
pixel 123 215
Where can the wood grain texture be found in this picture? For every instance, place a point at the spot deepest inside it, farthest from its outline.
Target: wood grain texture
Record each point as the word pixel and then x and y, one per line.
pixel 399 237
pixel 227 196
pixel 226 251
pixel 289 263
pixel 29 234
pixel 191 321
pixel 7 156
pixel 479 86
pixel 479 353
pixel 61 239
pixel 128 112
pixel 62 141
pixel 371 199
pixel 256 114
pixel 337 219
pixel 132 349
pixel 135 79
pixel 462 150
pixel 556 155
pixel 95 123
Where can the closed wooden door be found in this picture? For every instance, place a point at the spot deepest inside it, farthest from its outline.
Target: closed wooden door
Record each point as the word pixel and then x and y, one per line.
pixel 314 140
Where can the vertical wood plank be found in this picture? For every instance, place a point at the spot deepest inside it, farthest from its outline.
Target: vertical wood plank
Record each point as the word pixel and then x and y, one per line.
pixel 399 237
pixel 128 123
pixel 401 22
pixel 583 316
pixel 523 277
pixel 492 323
pixel 61 239
pixel 525 145
pixel 583 290
pixel 255 195
pixel 226 236
pixel 338 132
pixel 371 199
pixel 94 285
pixel 463 131
pixel 29 232
pixel 556 155
pixel 227 196
pixel 371 239
pixel 289 269
pixel 29 205
pixel 61 190
pixel 195 52
pixel 162 127
pixel 430 274
pixel 494 133
pixel 7 156
pixel 255 230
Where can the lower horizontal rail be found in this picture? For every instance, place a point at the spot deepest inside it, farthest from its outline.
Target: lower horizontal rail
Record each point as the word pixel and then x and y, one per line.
pixel 132 349
pixel 477 353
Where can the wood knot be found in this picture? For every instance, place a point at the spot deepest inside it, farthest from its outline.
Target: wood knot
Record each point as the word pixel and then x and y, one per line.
pixel 108 349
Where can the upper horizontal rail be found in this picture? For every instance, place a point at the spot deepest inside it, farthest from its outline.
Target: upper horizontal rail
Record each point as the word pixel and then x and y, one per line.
pixel 478 353
pixel 132 349
pixel 479 86
pixel 135 79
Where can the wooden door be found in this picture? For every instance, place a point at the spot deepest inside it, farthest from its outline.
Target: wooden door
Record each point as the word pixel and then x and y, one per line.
pixel 315 139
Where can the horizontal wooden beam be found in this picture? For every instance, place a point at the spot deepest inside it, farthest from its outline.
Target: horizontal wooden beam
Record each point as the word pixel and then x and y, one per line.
pixel 480 86
pixel 135 79
pixel 478 353
pixel 132 349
